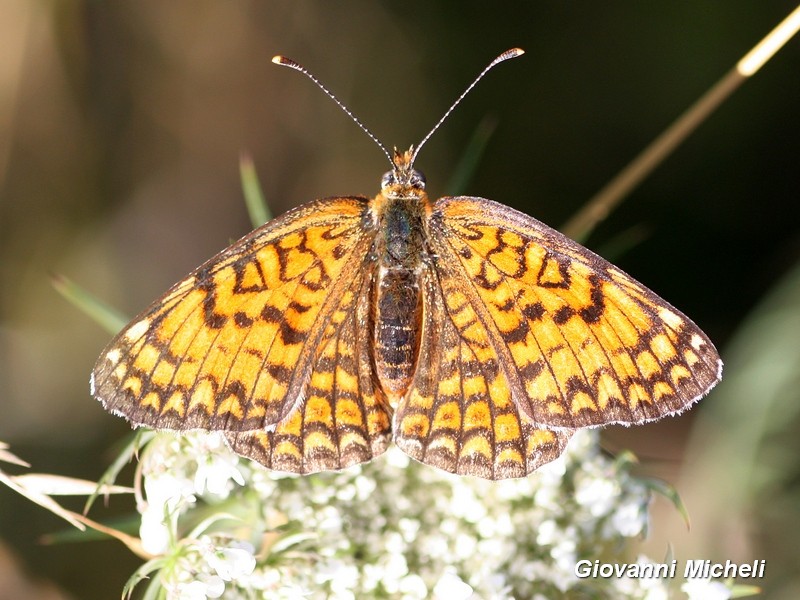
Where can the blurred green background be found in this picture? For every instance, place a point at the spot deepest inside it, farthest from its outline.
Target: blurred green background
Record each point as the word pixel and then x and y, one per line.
pixel 121 126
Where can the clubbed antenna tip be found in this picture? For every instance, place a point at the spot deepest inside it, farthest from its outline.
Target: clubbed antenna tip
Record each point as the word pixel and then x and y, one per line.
pixel 512 53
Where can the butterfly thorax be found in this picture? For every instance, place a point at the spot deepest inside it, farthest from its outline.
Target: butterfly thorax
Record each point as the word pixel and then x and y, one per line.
pixel 400 212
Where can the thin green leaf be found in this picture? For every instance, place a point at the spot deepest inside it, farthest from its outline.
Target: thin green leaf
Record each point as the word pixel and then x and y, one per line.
pixel 108 318
pixel 290 541
pixel 670 555
pixel 6 456
pixel 626 458
pixel 743 591
pixel 205 524
pixel 623 242
pixel 60 485
pixel 142 574
pixel 253 195
pixel 471 157
pixel 137 441
pixel 128 524
pixel 671 494
pixel 41 499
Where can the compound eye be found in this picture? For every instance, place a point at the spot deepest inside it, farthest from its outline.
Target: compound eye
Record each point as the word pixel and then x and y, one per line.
pixel 388 179
pixel 417 179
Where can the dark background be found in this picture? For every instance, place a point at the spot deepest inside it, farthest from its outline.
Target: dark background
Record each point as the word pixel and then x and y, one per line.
pixel 121 125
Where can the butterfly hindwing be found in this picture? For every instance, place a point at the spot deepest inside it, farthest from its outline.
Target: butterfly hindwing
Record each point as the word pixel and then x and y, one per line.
pixel 582 343
pixel 459 415
pixel 341 417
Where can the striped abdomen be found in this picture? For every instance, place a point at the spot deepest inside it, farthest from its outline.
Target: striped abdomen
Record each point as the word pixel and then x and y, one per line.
pixel 398 317
pixel 397 299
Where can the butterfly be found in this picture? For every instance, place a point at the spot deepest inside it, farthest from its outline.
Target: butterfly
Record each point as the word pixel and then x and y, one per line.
pixel 473 336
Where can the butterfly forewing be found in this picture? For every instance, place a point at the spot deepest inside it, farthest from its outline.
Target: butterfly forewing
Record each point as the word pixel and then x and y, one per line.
pixel 581 342
pixel 232 346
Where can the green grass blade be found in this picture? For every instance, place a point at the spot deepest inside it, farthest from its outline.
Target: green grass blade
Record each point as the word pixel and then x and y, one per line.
pixel 253 195
pixel 108 318
pixel 471 157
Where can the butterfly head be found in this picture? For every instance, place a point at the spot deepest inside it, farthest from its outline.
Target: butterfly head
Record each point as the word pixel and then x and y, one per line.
pixel 403 180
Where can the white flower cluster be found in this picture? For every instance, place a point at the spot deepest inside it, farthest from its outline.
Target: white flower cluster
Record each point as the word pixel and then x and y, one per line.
pixel 224 527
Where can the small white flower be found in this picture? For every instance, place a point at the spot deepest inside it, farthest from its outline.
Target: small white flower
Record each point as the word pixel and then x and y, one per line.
pixel 433 545
pixel 330 520
pixel 496 587
pixel 413 586
pixel 465 504
pixel 167 496
pixel 364 487
pixel 451 587
pixel 705 589
pixel 371 577
pixel 168 490
pixel 201 588
pixel 494 546
pixel 408 529
pixel 564 555
pixel 395 544
pixel 216 465
pixel 449 526
pixel 154 531
pixel 597 494
pixel 630 517
pixel 346 493
pixel 548 533
pixel 395 569
pixel 465 545
pixel 503 525
pixel 272 580
pixel 642 588
pixel 344 580
pixel 396 457
pixel 582 445
pixel 549 499
pixel 229 562
pixel 487 527
pixel 654 589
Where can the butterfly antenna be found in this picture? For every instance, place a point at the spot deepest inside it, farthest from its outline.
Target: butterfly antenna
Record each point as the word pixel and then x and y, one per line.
pixel 512 53
pixel 288 62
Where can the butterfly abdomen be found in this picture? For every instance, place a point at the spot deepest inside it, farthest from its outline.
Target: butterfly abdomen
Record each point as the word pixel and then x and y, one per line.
pixel 397 299
pixel 398 313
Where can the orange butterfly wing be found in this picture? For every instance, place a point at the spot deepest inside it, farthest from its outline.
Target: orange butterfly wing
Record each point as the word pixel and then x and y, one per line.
pixel 526 336
pixel 343 418
pixel 579 342
pixel 249 339
pixel 459 414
